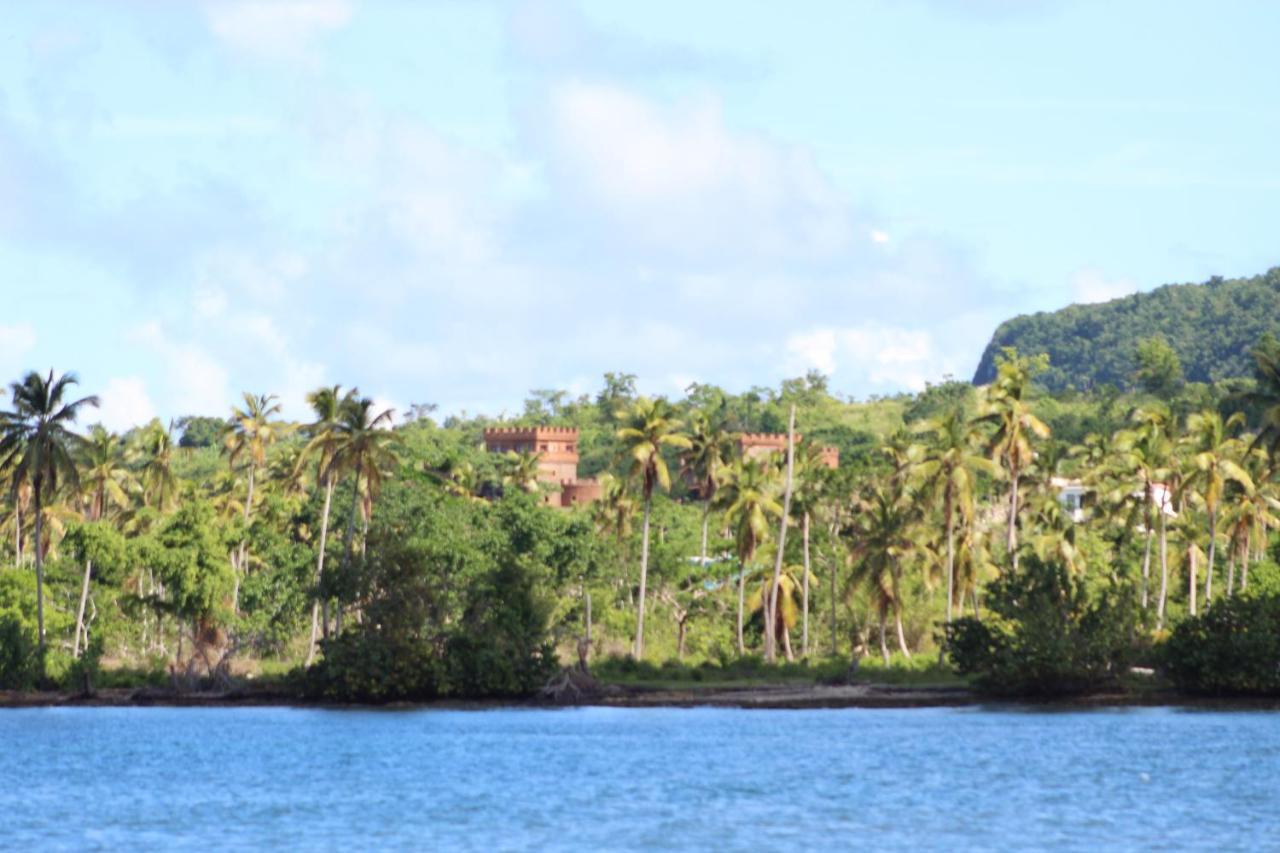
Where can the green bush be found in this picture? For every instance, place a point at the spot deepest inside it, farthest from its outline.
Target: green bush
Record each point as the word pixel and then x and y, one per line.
pixel 1045 634
pixel 19 658
pixel 1231 649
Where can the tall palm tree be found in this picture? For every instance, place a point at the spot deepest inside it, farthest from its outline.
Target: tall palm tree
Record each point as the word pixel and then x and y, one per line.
pixel 1211 454
pixel 1266 394
pixel 37 446
pixel 710 447
pixel 322 444
pixel 366 446
pixel 646 428
pixel 1145 452
pixel 153 450
pixel 809 491
pixel 883 537
pixel 770 613
pixel 786 609
pixel 105 477
pixel 1006 407
pixel 952 467
pixel 249 433
pixel 748 495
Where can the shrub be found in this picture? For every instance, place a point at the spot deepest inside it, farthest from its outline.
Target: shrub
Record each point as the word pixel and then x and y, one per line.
pixel 1046 634
pixel 19 658
pixel 1231 649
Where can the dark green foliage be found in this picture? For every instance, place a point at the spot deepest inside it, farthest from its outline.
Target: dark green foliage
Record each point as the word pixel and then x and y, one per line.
pixel 1045 634
pixel 19 657
pixel 1159 369
pixel 200 431
pixel 1231 649
pixel 450 593
pixel 1211 328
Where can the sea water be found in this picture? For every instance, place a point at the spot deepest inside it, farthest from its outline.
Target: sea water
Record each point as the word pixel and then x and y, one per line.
pixel 602 778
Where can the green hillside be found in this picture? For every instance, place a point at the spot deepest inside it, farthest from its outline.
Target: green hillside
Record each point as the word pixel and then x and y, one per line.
pixel 1211 326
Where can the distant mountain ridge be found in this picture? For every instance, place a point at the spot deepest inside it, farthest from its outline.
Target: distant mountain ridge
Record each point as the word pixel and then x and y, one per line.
pixel 1212 326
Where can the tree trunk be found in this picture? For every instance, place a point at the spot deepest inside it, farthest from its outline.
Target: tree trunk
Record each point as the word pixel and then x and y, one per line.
pixel 948 512
pixel 804 633
pixel 1011 540
pixel 1213 545
pixel 240 556
pixel 897 611
pixel 681 627
pixel 1164 571
pixel 786 640
pixel 17 532
pixel 742 597
pixel 39 571
pixel 1231 573
pixel 771 598
pixel 644 579
pixel 324 537
pixel 1191 576
pixel 884 646
pixel 1146 554
pixel 706 519
pixel 84 597
pixel 1244 563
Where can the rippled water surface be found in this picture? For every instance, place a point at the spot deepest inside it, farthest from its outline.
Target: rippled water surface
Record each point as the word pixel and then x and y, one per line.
pixel 653 778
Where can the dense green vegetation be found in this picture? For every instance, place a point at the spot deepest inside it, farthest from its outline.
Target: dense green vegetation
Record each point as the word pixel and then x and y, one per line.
pixel 376 563
pixel 1211 328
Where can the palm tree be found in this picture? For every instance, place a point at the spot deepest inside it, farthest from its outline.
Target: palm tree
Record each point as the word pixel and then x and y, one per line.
pixel 951 467
pixel 786 609
pixel 521 471
pixel 1005 406
pixel 104 478
pixel 153 450
pixel 771 633
pixel 710 446
pixel 883 538
pixel 1145 452
pixel 748 497
pixel 36 446
pixel 366 447
pixel 249 434
pixel 322 444
pixel 1266 394
pixel 810 490
pixel 1210 454
pixel 647 428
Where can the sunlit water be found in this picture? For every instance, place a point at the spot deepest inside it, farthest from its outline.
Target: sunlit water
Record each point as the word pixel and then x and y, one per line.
pixel 654 778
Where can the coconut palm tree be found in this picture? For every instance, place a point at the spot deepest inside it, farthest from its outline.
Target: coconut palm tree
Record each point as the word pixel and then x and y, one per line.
pixel 1144 455
pixel 647 428
pixel 1266 394
pixel 883 537
pixel 1005 406
pixel 812 477
pixel 951 468
pixel 105 478
pixel 323 439
pixel 152 451
pixel 786 608
pixel 748 496
pixel 710 447
pixel 249 434
pixel 1211 454
pixel 521 472
pixel 366 446
pixel 37 447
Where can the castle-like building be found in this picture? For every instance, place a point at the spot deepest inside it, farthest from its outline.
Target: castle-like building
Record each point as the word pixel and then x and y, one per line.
pixel 557 451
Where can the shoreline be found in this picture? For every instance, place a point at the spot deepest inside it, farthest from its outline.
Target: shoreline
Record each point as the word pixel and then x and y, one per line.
pixel 761 697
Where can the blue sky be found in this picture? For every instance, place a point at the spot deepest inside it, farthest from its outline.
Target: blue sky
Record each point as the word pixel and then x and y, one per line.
pixel 456 202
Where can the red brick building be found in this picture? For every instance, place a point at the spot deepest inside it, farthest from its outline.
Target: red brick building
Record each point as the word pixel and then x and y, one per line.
pixel 557 451
pixel 754 445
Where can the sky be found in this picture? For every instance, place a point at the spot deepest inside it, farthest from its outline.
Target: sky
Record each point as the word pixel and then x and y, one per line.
pixel 457 202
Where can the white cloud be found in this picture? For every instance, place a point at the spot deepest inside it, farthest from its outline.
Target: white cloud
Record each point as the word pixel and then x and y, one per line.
pixel 879 237
pixel 275 28
pixel 1091 285
pixel 883 356
pixel 681 179
pixel 197 384
pixel 125 404
pixel 16 341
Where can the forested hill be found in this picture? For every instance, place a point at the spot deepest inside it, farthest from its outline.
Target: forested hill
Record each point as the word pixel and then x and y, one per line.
pixel 1211 326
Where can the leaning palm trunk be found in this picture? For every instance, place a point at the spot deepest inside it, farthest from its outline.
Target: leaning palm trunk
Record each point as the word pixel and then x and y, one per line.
pixel 17 533
pixel 84 597
pixel 1191 575
pixel 644 577
pixel 1231 574
pixel 949 514
pixel 804 633
pixel 348 540
pixel 897 612
pixel 1244 562
pixel 706 519
pixel 884 645
pixel 1011 539
pixel 771 599
pixel 742 597
pixel 240 554
pixel 324 536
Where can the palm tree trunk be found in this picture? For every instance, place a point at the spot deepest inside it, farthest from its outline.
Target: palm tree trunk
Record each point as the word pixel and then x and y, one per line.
pixel 1146 554
pixel 771 599
pixel 39 572
pixel 1164 571
pixel 84 597
pixel 1231 573
pixel 804 635
pixel 1191 576
pixel 948 512
pixel 786 639
pixel 17 532
pixel 742 597
pixel 324 537
pixel 240 555
pixel 1011 540
pixel 348 540
pixel 706 520
pixel 1213 543
pixel 897 610
pixel 644 578
pixel 884 646
pixel 1244 563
